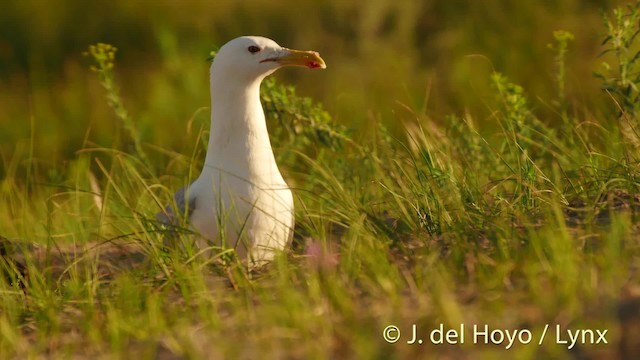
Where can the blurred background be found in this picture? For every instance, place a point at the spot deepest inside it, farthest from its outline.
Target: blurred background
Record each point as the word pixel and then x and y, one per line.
pixel 383 56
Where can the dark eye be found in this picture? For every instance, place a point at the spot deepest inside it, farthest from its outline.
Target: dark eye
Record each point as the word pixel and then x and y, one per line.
pixel 253 49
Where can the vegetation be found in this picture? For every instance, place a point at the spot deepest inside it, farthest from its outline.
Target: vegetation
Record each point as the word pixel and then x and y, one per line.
pixel 516 210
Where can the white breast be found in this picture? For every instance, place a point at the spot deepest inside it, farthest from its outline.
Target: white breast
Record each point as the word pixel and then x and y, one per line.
pixel 255 219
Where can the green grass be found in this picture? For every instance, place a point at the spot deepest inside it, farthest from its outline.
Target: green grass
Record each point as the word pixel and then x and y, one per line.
pixel 517 214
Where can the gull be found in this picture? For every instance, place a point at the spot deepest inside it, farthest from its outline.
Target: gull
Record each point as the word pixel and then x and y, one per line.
pixel 240 200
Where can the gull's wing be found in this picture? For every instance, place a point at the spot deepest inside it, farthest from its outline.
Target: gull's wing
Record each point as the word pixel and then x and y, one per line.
pixel 183 207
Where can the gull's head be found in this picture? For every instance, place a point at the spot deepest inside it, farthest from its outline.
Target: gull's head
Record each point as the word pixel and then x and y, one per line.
pixel 254 57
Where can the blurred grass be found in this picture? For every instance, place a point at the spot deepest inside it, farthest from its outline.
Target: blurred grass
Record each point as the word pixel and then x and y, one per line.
pixel 430 55
pixel 459 189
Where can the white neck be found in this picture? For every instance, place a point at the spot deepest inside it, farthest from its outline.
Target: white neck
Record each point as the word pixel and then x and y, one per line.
pixel 239 143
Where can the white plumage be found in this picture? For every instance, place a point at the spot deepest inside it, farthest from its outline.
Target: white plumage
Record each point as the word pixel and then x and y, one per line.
pixel 240 200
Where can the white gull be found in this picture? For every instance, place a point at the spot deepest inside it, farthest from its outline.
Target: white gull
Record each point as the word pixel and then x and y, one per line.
pixel 240 200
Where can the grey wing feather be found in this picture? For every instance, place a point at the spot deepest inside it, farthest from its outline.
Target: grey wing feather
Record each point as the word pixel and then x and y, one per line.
pixel 183 205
